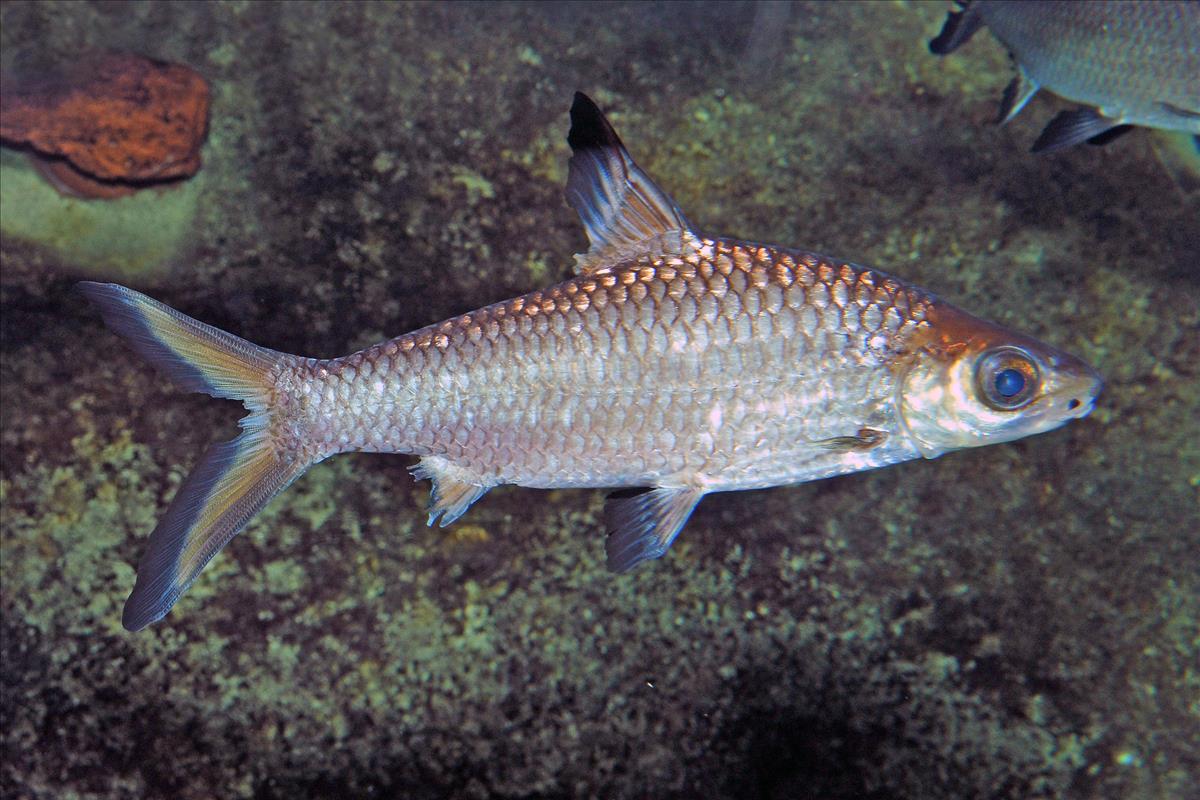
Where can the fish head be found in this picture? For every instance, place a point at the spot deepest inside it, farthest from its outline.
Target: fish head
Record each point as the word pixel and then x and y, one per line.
pixel 968 382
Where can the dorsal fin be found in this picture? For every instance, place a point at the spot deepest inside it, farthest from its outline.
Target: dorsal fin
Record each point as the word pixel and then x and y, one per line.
pixel 625 214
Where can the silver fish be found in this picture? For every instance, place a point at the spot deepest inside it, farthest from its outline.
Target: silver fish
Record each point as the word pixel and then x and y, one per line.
pixel 1133 62
pixel 676 361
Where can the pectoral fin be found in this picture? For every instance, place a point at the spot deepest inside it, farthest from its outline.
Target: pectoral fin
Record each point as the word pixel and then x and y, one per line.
pixel 865 439
pixel 1180 111
pixel 642 526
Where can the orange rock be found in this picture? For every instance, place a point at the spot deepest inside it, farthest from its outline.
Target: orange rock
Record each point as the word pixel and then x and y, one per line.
pixel 118 123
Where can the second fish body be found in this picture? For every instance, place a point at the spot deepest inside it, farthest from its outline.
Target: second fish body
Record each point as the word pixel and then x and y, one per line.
pixel 1131 62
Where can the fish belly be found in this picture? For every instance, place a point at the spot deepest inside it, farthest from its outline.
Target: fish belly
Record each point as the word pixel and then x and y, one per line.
pixel 730 368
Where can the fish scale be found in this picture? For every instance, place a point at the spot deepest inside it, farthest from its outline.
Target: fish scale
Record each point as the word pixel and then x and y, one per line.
pixel 717 356
pixel 672 361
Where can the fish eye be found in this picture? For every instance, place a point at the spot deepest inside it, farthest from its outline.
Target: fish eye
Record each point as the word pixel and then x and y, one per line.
pixel 1009 382
pixel 1007 378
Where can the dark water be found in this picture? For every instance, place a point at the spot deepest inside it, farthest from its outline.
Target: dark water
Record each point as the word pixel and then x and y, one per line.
pixel 1013 622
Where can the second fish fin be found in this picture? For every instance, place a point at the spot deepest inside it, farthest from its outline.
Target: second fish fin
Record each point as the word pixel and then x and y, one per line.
pixel 1070 128
pixel 642 526
pixel 958 28
pixel 1018 92
pixel 233 482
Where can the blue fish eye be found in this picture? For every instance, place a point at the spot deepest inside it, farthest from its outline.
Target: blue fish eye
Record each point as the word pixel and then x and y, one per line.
pixel 1009 382
pixel 1007 378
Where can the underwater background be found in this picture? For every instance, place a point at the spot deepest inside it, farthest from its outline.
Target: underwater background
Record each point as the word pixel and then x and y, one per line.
pixel 1019 621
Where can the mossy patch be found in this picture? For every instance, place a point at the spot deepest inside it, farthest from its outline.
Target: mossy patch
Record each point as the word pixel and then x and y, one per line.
pixel 133 239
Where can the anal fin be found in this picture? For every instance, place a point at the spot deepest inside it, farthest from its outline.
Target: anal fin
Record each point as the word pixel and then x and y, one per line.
pixel 454 489
pixel 1109 135
pixel 1179 154
pixel 643 526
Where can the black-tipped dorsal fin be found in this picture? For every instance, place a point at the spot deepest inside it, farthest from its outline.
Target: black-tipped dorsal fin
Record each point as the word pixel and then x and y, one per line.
pixel 625 214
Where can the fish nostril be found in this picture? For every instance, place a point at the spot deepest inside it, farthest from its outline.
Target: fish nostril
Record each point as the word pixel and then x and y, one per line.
pixel 1074 404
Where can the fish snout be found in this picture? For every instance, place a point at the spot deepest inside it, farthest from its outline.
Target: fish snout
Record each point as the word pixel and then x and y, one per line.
pixel 1079 384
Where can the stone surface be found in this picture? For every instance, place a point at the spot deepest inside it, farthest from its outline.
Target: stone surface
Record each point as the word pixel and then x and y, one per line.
pixel 109 124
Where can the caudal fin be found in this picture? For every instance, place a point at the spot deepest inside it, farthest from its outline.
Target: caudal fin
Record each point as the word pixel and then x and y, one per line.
pixel 233 480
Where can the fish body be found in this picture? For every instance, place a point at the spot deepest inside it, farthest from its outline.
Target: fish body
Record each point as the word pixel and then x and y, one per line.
pixel 674 361
pixel 1131 62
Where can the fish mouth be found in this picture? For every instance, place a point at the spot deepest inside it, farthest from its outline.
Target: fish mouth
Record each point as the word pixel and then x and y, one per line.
pixel 1081 391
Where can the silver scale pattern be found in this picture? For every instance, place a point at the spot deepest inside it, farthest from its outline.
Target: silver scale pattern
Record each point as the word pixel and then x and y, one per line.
pixel 725 366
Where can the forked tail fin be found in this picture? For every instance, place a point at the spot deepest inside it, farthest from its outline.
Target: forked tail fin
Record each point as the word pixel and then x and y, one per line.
pixel 233 480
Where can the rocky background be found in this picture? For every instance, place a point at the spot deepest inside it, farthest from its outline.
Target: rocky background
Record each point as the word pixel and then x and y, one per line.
pixel 1014 622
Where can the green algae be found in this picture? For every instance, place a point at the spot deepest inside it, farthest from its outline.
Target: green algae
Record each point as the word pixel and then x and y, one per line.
pixel 133 239
pixel 78 521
